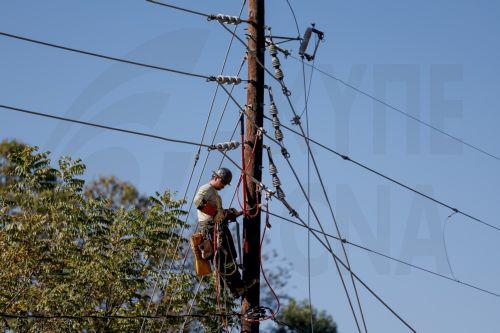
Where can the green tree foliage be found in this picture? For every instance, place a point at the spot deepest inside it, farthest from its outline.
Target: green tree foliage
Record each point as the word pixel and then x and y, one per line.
pixel 298 317
pixel 71 249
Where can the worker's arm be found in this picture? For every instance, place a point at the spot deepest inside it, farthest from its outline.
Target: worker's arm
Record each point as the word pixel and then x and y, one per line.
pixel 201 203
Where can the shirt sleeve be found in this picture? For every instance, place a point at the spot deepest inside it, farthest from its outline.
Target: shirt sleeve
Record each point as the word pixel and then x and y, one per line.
pixel 200 196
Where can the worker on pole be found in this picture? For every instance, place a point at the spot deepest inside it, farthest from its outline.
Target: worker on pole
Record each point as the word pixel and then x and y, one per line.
pixel 214 239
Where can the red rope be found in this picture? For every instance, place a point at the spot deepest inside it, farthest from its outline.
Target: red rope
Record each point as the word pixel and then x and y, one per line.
pixel 243 171
pixel 246 211
pixel 278 304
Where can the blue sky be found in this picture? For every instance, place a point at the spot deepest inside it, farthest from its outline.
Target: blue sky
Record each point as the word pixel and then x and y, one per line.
pixel 437 60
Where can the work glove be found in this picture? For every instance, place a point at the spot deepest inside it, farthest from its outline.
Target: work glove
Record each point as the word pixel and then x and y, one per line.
pixel 231 214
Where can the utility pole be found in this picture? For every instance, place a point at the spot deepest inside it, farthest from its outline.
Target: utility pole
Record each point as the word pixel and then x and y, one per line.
pixel 255 115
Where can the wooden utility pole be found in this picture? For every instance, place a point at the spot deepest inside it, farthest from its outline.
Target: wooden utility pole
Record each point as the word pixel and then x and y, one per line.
pixel 255 115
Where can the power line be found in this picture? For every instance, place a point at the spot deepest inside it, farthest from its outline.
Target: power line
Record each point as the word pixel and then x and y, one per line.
pixel 180 8
pixel 153 136
pixel 367 249
pixel 307 93
pixel 100 317
pixel 294 19
pixel 116 129
pixel 197 156
pixel 209 17
pixel 336 258
pixel 317 219
pixel 286 93
pixel 102 56
pixel 289 326
pixel 130 62
pixel 208 154
pixel 406 114
pixel 347 158
pixel 370 290
pixel 327 245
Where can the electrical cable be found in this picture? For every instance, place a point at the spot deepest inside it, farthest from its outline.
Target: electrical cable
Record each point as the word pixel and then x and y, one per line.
pixel 314 213
pixel 328 247
pixel 364 248
pixel 116 129
pixel 290 327
pixel 212 104
pixel 307 94
pixel 215 134
pixel 347 158
pixel 234 163
pixel 102 56
pixel 353 275
pixel 180 8
pixel 99 317
pixel 107 127
pixel 444 244
pixel 286 127
pixel 287 93
pixel 294 19
pixel 180 72
pixel 209 17
pixel 336 258
pixel 426 124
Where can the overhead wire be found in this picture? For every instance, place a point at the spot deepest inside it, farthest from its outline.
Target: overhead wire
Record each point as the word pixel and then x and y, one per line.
pixel 353 275
pixel 213 140
pixel 335 258
pixel 184 260
pixel 345 157
pixel 212 104
pixel 134 133
pixel 111 58
pixel 38 316
pixel 378 253
pixel 316 217
pixel 364 166
pixel 180 8
pixel 209 17
pixel 111 128
pixel 107 317
pixel 130 62
pixel 368 288
pixel 307 92
pixel 103 56
pixel 108 127
pixel 153 136
pixel 287 93
pixel 406 114
pixel 444 244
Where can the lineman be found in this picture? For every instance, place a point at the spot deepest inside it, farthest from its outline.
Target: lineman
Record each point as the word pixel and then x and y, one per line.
pixel 210 211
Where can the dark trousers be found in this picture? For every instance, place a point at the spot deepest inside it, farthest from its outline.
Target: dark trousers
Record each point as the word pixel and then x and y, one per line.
pixel 226 255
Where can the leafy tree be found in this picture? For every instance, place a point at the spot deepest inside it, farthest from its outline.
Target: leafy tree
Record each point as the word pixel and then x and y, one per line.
pixel 298 318
pixel 71 249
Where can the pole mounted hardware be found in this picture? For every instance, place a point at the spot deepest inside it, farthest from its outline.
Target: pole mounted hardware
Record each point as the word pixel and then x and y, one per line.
pixel 306 39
